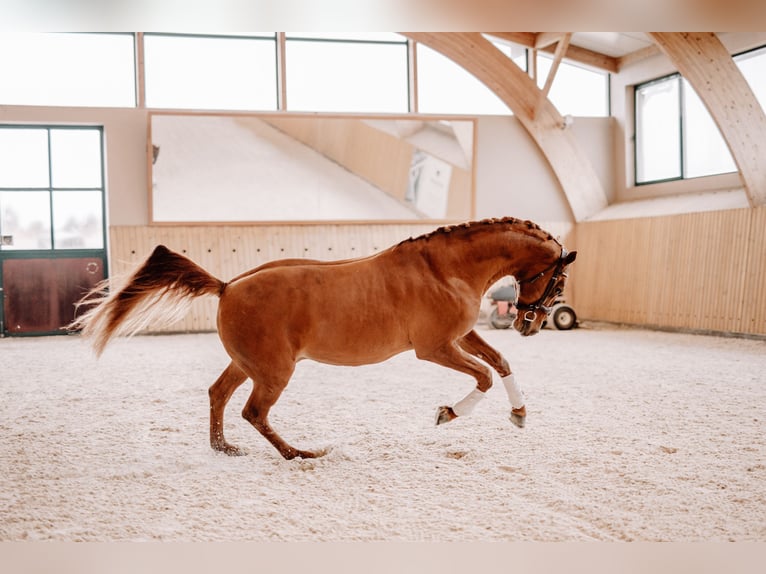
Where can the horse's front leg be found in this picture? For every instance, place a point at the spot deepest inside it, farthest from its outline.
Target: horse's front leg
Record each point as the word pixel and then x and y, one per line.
pixel 478 347
pixel 452 356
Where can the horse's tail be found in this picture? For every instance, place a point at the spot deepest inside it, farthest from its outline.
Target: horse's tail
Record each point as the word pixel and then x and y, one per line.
pixel 158 293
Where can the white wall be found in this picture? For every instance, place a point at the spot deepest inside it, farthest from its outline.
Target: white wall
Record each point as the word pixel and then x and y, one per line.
pixel 514 178
pixel 125 137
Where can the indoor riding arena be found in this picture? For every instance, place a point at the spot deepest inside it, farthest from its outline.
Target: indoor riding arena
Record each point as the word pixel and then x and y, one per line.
pixel 613 183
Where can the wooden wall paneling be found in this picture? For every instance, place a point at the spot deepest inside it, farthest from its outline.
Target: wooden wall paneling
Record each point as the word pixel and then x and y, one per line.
pixel 630 265
pixel 718 256
pixel 758 263
pixel 699 271
pixel 722 269
pixel 734 286
pixel 592 263
pixel 684 265
pixel 652 243
pixel 612 285
pixel 704 280
pixel 576 284
pixel 753 306
pixel 660 269
pixel 753 310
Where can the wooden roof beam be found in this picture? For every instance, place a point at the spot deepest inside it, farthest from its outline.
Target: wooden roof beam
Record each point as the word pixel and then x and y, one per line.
pixel 705 62
pixel 526 39
pixel 574 53
pixel 561 49
pixel 588 57
pixel 535 112
pixel 545 39
pixel 637 56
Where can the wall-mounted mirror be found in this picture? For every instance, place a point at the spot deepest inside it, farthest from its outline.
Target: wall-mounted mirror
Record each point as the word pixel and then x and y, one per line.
pixel 279 167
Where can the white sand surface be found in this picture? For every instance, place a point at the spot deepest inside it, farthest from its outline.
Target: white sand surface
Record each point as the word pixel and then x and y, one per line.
pixel 631 436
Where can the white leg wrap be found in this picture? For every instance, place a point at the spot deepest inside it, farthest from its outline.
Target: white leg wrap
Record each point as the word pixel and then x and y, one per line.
pixel 515 396
pixel 466 405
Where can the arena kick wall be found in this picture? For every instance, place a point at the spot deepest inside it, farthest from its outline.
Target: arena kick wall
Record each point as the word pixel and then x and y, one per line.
pixel 697 271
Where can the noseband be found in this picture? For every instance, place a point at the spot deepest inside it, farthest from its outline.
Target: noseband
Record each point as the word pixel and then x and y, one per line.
pixel 531 308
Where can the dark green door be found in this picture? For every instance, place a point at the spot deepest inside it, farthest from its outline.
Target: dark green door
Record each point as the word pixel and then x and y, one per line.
pixel 52 224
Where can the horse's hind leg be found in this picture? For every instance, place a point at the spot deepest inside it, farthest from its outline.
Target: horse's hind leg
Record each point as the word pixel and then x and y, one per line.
pixel 220 393
pixel 267 389
pixel 478 347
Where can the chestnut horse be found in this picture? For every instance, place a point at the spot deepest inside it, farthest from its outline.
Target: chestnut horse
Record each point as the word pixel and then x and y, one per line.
pixel 422 294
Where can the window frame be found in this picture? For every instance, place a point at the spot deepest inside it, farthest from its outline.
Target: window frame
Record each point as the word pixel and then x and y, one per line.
pixel 270 37
pixel 682 124
pixel 50 189
pixel 636 89
pixel 505 110
pixel 134 78
pixel 308 38
pixel 572 64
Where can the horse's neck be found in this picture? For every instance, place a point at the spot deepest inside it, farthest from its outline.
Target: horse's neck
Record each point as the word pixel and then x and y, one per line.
pixel 512 256
pixel 482 259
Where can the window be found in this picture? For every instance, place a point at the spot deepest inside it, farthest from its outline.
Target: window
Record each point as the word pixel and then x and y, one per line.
pixel 96 70
pixel 357 73
pixel 753 66
pixel 658 131
pixel 675 136
pixel 445 87
pixel 704 150
pixel 211 72
pixel 576 91
pixel 51 188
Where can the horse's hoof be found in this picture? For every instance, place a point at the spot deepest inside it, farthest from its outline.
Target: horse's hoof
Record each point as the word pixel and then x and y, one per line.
pixel 444 415
pixel 229 449
pixel 305 454
pixel 518 419
pixel 314 453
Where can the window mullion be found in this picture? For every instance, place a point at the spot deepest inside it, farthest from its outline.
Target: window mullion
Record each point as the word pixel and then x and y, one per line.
pixel 281 71
pixel 681 126
pixel 50 187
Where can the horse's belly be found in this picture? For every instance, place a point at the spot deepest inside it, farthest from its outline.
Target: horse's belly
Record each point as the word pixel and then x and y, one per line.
pixel 339 347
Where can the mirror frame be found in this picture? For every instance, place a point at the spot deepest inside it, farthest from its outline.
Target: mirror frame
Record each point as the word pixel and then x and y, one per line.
pixel 150 159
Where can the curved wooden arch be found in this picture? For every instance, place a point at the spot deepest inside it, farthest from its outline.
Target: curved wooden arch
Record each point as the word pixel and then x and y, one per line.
pixel 534 110
pixel 705 62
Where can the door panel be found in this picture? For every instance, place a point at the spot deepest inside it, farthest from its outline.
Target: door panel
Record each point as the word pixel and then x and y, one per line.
pixel 40 293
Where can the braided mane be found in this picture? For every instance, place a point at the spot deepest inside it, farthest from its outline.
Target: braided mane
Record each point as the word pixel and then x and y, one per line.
pixel 523 226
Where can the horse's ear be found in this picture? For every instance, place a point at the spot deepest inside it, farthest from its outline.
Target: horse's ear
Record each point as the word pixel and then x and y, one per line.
pixel 570 257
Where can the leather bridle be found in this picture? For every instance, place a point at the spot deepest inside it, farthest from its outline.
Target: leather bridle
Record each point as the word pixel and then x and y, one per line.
pixel 531 308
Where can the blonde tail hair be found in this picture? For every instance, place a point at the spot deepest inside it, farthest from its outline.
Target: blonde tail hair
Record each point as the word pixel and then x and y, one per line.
pixel 158 293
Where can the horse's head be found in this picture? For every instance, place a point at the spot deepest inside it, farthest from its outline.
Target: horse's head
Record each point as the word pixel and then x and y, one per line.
pixel 538 293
